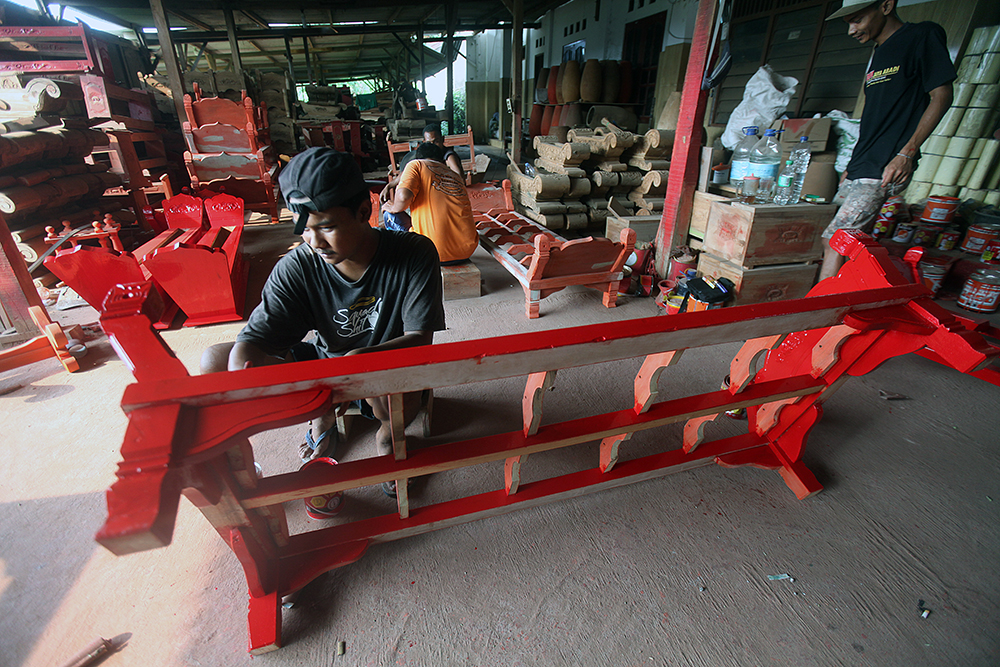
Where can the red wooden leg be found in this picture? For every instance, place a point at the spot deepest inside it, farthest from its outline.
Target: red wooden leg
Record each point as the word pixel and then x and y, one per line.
pixel 264 623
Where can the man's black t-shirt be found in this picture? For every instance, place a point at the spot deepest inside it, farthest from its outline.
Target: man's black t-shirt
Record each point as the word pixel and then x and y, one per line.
pixel 907 66
pixel 399 292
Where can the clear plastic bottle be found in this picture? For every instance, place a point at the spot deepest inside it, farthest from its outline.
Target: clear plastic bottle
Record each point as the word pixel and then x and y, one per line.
pixel 741 155
pixel 765 159
pixel 800 160
pixel 783 193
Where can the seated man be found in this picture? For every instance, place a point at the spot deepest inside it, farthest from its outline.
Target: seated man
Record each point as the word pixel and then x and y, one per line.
pixel 439 205
pixel 361 289
pixel 432 134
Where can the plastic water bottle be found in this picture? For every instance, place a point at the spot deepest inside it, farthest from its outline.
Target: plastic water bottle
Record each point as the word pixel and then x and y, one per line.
pixel 800 160
pixel 741 155
pixel 765 159
pixel 783 195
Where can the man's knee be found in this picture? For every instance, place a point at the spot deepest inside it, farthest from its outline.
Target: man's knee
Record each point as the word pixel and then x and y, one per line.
pixel 215 358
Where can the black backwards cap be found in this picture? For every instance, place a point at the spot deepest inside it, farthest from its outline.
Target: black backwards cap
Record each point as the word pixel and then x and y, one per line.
pixel 319 178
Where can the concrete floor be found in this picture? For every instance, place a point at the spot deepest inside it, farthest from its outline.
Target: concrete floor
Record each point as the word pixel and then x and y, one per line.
pixel 667 572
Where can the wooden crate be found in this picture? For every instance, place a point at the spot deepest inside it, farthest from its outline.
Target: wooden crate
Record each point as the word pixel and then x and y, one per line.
pixel 645 226
pixel 769 234
pixel 700 211
pixel 765 283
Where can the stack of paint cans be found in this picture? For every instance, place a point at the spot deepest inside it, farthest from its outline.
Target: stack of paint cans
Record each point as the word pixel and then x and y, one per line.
pixel 961 159
pixel 893 211
pixel 982 237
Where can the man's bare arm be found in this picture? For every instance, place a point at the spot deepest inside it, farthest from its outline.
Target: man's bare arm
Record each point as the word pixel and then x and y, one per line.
pixel 401 202
pixel 247 355
pixel 899 168
pixel 456 165
pixel 408 339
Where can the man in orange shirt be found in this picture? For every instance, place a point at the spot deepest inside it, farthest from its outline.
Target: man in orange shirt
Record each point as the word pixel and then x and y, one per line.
pixel 439 204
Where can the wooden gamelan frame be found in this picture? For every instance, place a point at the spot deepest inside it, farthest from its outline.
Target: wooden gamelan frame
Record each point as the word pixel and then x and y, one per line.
pixel 188 435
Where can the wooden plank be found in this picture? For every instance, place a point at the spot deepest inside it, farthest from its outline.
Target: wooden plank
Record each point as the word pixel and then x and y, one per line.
pixel 462 362
pixel 277 489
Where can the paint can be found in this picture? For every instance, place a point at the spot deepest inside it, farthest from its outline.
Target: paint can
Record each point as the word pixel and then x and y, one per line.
pixel 949 170
pixel 981 292
pixel 326 505
pixel 984 39
pixel 904 232
pixel 985 96
pixel 950 121
pixel 885 223
pixel 940 209
pixel 927 167
pixel 963 93
pixel 974 122
pixel 948 239
pixel 925 234
pixel 933 271
pixel 421 104
pixel 991 253
pixel 977 236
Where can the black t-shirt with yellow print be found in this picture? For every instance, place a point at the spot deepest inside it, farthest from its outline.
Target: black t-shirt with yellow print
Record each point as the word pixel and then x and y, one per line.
pixel 903 70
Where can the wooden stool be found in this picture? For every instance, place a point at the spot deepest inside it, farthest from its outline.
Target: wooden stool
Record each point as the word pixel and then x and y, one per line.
pixel 423 416
pixel 462 281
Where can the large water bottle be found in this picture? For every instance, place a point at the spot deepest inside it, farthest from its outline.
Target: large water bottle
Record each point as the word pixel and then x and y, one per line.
pixel 783 193
pixel 741 155
pixel 800 160
pixel 765 159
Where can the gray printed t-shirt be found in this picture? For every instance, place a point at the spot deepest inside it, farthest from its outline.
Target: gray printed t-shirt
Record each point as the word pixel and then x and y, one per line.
pixel 401 291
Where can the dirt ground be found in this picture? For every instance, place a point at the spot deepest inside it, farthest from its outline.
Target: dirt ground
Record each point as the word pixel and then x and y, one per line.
pixel 673 571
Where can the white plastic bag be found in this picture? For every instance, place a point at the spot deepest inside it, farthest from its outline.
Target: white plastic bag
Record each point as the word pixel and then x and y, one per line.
pixel 765 97
pixel 847 130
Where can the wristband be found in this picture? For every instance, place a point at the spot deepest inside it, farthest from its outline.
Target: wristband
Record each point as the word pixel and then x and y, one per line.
pixel 904 155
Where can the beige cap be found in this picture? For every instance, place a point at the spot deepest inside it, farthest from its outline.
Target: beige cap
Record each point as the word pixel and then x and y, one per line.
pixel 850 7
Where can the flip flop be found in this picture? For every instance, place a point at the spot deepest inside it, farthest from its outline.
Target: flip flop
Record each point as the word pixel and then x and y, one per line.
pixel 389 488
pixel 312 449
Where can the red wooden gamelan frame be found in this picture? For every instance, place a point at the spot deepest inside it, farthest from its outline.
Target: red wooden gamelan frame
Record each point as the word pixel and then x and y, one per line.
pixel 189 434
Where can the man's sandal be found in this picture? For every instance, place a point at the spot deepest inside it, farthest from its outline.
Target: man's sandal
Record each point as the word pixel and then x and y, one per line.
pixel 326 445
pixel 389 488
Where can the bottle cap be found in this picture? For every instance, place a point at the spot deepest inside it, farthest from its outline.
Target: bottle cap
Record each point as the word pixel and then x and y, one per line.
pixel 751 177
pixel 770 133
pixel 803 138
pixel 750 129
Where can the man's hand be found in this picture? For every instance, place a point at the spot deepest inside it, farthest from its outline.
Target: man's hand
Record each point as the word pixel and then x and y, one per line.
pixel 897 171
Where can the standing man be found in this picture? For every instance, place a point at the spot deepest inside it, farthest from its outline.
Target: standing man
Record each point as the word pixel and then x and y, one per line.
pixel 907 91
pixel 439 204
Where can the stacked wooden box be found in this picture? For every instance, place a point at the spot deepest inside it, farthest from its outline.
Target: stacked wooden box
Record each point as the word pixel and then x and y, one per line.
pixel 770 252
pixel 273 87
pixel 552 196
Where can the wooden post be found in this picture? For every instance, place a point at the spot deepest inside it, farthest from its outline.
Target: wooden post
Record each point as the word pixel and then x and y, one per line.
pixel 293 94
pixel 450 54
pixel 517 43
pixel 423 75
pixel 234 44
pixel 169 57
pixel 309 65
pixel 687 145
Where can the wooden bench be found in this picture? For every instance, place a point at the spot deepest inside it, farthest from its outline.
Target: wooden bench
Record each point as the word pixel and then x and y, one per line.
pixel 190 434
pixel 206 274
pixel 545 263
pixel 92 271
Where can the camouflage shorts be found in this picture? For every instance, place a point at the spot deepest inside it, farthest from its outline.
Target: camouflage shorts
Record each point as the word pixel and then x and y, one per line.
pixel 860 201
